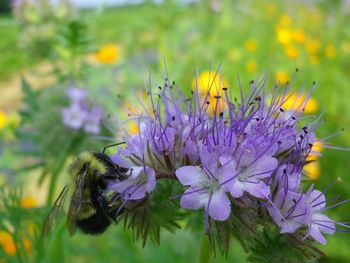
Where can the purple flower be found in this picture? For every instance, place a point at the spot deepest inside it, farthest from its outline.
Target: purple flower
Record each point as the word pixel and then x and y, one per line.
pixel 205 190
pixel 318 223
pixel 92 124
pixel 248 171
pixel 288 210
pixel 76 95
pixel 74 116
pixel 251 148
pixel 141 180
pixel 288 176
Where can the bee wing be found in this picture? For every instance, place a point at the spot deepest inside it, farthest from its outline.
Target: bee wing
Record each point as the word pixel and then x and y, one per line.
pixel 76 202
pixel 54 211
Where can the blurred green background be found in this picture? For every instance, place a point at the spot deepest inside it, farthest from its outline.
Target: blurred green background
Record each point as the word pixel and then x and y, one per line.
pixel 115 47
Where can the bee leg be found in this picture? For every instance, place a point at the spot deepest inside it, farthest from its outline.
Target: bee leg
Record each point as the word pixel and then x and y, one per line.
pixel 115 212
pixel 110 176
pixel 110 213
pixel 103 204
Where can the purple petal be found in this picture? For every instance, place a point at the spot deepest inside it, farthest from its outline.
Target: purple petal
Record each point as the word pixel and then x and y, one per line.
pixel 220 206
pixel 122 162
pixel 76 94
pixel 260 190
pixel 193 199
pixel 189 175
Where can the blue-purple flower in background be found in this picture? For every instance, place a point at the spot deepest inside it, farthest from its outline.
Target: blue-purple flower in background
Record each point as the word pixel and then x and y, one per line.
pixel 78 115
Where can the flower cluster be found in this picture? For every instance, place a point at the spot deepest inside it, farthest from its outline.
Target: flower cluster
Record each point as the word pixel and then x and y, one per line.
pixel 224 149
pixel 79 115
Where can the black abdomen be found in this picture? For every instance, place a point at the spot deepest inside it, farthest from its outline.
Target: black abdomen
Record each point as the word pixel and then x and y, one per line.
pixel 95 224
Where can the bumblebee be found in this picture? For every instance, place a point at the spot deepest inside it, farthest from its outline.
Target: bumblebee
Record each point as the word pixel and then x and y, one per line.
pixel 89 210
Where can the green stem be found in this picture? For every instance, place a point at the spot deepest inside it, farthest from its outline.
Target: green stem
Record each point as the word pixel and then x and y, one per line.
pixel 59 164
pixel 204 250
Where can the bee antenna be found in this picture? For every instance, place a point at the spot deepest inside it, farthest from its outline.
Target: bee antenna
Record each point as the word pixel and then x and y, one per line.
pixel 115 144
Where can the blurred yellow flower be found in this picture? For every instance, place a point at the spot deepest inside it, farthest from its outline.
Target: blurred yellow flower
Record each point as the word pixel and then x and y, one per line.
pixel 6 241
pixel 295 100
pixel 299 36
pixel 132 127
pixel 235 54
pixel 282 76
pixel 210 80
pixel 284 36
pixel 250 45
pixel 3 119
pixel 312 46
pixel 29 202
pixel 312 170
pixel 314 59
pixel 251 66
pixel 330 51
pixel 291 52
pixel 108 54
pixel 318 146
pixel 285 20
pixel 8 245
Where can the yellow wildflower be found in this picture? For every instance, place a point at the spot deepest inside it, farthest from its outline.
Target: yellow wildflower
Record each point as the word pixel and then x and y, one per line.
pixel 3 119
pixel 295 100
pixel 284 36
pixel 133 127
pixel 314 59
pixel 312 46
pixel 291 52
pixel 318 146
pixel 251 66
pixel 330 51
pixel 29 202
pixel 282 76
pixel 250 45
pixel 7 243
pixel 285 20
pixel 210 80
pixel 299 36
pixel 312 170
pixel 108 54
